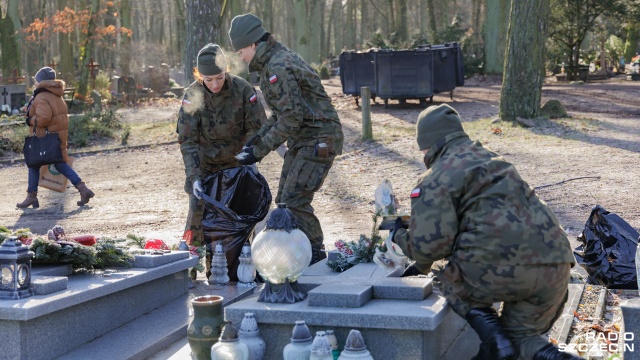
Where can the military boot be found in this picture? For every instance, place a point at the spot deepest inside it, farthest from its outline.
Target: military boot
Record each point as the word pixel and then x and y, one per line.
pixel 317 253
pixel 85 193
pixel 495 343
pixel 550 352
pixel 31 200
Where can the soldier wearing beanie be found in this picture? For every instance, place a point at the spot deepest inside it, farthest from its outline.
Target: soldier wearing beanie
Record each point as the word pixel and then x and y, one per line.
pixel 219 113
pixel 302 116
pixel 487 238
pixel 47 112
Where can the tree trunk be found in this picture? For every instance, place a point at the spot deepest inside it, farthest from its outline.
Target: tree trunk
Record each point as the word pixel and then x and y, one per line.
pixel 10 43
pixel 338 34
pixel 65 64
pixel 9 47
pixel 350 25
pixel 301 46
pixel 401 22
pixel 181 31
pixel 422 16
pixel 432 21
pixel 525 60
pixel 314 31
pixel 631 45
pixel 88 49
pixel 202 27
pixel 124 61
pixel 391 19
pixel 495 35
pixel 364 22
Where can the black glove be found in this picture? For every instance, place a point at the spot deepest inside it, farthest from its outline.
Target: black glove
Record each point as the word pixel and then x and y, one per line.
pixel 398 224
pixel 251 141
pixel 249 158
pixel 411 270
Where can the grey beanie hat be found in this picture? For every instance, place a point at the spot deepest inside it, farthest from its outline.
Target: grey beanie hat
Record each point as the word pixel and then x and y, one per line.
pixel 245 30
pixel 436 122
pixel 46 73
pixel 211 60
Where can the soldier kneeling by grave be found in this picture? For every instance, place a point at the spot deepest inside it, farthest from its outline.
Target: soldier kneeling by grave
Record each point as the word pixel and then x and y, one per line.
pixel 487 238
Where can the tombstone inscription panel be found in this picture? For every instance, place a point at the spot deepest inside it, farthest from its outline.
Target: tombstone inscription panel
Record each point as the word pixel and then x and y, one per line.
pixel 13 95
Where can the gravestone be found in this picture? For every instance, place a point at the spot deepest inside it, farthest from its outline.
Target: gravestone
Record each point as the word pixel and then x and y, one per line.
pixel 157 78
pixel 12 97
pixel 399 318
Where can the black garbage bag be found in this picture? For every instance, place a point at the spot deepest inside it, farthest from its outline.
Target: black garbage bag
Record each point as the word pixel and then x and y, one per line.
pixel 236 199
pixel 608 250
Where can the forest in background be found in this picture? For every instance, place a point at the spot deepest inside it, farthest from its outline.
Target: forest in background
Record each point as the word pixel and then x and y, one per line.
pixel 124 36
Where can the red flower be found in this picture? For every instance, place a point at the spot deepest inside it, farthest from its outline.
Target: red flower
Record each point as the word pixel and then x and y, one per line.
pixel 188 236
pixel 156 244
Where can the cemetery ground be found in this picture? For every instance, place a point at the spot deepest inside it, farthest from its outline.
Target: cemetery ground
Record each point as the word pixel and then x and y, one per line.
pixel 574 163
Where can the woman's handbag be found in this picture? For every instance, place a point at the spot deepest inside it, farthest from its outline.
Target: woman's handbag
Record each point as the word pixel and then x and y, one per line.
pixel 44 150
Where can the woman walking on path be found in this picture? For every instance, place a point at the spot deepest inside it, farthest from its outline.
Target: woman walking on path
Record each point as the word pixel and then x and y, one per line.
pixel 47 111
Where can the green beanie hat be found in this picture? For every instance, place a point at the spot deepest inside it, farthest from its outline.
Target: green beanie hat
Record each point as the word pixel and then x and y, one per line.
pixel 245 30
pixel 436 122
pixel 211 60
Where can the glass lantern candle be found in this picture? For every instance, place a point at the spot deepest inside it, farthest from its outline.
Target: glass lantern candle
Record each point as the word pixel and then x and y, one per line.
pixel 281 252
pixel 219 270
pixel 301 342
pixel 246 270
pixel 354 348
pixel 229 346
pixel 15 270
pixel 320 348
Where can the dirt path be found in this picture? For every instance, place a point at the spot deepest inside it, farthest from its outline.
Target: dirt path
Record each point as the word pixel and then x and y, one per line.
pixel 141 190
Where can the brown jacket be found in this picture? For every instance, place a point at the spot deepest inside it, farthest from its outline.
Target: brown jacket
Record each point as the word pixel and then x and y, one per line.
pixel 50 111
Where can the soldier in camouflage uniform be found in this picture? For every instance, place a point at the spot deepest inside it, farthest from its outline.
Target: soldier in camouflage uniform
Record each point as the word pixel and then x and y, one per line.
pixel 303 116
pixel 219 113
pixel 487 238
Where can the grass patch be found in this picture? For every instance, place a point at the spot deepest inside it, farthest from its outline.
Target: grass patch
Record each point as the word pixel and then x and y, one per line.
pixel 96 124
pixel 12 138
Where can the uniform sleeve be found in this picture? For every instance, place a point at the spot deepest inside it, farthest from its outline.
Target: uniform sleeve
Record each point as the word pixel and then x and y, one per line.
pixel 433 229
pixel 254 115
pixel 189 138
pixel 43 113
pixel 287 115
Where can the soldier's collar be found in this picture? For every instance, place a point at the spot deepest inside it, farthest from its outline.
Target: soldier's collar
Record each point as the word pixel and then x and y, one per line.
pixel 436 148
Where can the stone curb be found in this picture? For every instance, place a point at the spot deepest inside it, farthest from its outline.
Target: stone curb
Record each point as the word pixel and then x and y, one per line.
pixel 562 326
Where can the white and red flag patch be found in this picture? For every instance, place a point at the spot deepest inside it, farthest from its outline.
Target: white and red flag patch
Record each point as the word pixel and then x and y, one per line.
pixel 415 192
pixel 185 101
pixel 253 98
pixel 273 78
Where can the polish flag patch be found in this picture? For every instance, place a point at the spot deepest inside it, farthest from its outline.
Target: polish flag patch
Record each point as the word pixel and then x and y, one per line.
pixel 273 78
pixel 415 192
pixel 253 98
pixel 186 102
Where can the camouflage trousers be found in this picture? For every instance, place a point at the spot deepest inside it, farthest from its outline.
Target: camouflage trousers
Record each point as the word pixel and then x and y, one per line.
pixel 532 296
pixel 302 175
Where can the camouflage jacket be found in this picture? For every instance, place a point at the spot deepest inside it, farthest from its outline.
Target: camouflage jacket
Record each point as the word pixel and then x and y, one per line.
pixel 473 206
pixel 213 128
pixel 302 113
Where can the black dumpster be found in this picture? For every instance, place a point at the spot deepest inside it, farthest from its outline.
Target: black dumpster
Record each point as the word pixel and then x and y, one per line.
pixel 448 67
pixel 404 74
pixel 356 71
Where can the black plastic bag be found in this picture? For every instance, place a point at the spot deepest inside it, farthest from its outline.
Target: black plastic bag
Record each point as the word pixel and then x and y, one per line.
pixel 608 250
pixel 236 199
